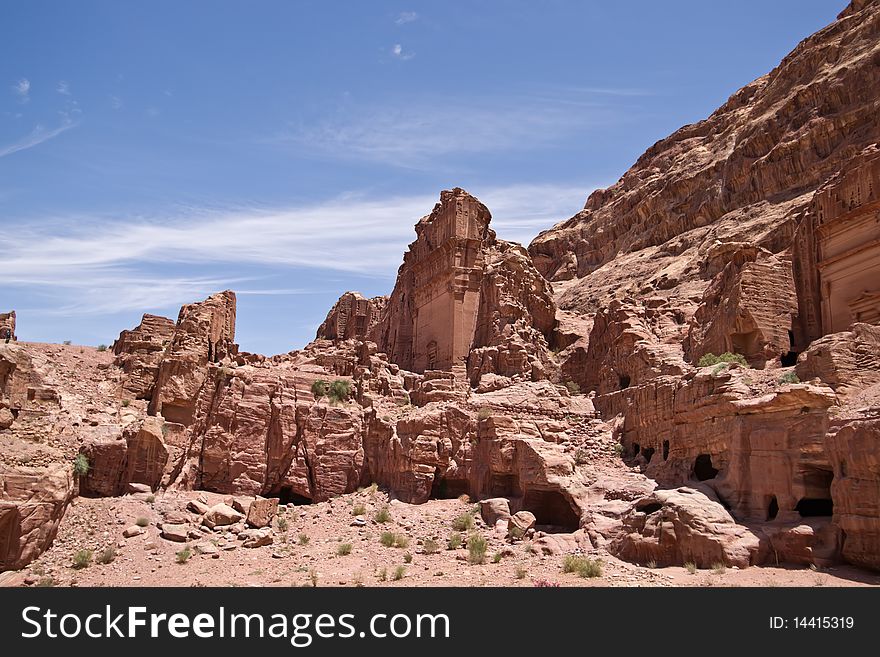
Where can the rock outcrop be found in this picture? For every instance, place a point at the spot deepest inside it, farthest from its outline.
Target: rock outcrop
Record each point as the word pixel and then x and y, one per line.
pixel 139 351
pixel 204 334
pixel 7 327
pixel 352 317
pixel 848 361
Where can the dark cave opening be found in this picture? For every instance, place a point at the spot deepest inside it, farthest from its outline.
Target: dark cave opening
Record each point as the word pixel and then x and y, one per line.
pixel 665 450
pixel 624 381
pixel 703 469
pixel 448 489
pixel 810 507
pixel 636 448
pixel 772 508
pixel 552 511
pixel 504 485
pixel 648 452
pixel 287 496
pixel 649 508
pixel 790 358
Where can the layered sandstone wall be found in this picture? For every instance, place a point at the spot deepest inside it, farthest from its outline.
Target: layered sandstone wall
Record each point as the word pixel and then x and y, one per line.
pixel 139 351
pixel 7 327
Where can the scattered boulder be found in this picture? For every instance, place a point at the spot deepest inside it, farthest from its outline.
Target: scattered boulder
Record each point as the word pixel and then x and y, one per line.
pixel 221 515
pixel 494 509
pixel 262 511
pixel 176 533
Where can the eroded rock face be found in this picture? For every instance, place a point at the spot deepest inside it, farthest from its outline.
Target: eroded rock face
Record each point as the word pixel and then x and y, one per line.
pixel 352 317
pixel 137 454
pixel 32 502
pixel 139 351
pixel 7 327
pixel 205 333
pixel 848 361
pixel 748 309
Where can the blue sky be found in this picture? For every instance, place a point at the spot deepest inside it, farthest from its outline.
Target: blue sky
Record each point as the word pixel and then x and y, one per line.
pixel 154 152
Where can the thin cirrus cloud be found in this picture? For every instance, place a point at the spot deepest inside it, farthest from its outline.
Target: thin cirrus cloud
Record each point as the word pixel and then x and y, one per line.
pixel 406 17
pixel 22 89
pixel 107 264
pixel 398 51
pixel 415 135
pixel 37 136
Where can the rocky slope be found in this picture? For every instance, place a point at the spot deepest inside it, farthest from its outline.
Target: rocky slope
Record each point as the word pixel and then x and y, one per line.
pixel 576 388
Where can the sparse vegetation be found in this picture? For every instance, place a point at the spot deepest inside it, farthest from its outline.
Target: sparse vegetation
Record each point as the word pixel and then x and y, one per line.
pixel 81 465
pixel 484 413
pixel 382 516
pixel 545 584
pixel 386 539
pixel 572 387
pixel 106 556
pixel 454 541
pixel 496 558
pixel 430 546
pixel 46 582
pixel 126 403
pixel 399 573
pixel 407 558
pixel 463 523
pixel 707 360
pixel 382 574
pixel 142 521
pixel 281 523
pixel 343 550
pixel 516 533
pixel 652 564
pixel 476 549
pixel 691 567
pixel 184 555
pixel 581 456
pixel 82 559
pixel 102 347
pixel 583 566
pixel 718 568
pixel 358 509
pixel 339 391
pixel 520 572
pixel 789 377
pixel 619 449
pixel 67 343
pixel 313 577
pixel 151 499
pixel 464 498
pixel 320 387
pixel 304 539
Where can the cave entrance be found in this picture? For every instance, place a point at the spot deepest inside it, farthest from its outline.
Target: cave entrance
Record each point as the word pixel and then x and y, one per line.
pixel 624 381
pixel 772 508
pixel 817 499
pixel 448 489
pixel 636 448
pixel 552 511
pixel 810 507
pixel 790 358
pixel 665 450
pixel 504 485
pixel 648 452
pixel 703 468
pixel 286 496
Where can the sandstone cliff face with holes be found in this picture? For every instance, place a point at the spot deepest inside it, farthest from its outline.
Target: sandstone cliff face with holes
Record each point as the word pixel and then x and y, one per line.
pixel 7 326
pixel 563 379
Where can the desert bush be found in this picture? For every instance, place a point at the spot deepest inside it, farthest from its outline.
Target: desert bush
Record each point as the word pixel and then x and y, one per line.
pixel 142 521
pixel 382 574
pixel 520 572
pixel 496 558
pixel 82 559
pixel 383 515
pixel 572 387
pixel 430 546
pixel 484 413
pixel 281 523
pixel 319 388
pixel 407 558
pixel 583 566
pixel 463 523
pixel 454 541
pixel 709 359
pixel 789 377
pixel 476 549
pixel 358 509
pixel 81 465
pixel 719 568
pixel 344 549
pixel 126 403
pixel 184 555
pixel 386 539
pixel 691 567
pixel 107 555
pixel 151 499
pixel 102 347
pixel 581 456
pixel 399 573
pixel 303 539
pixel 313 577
pixel 339 391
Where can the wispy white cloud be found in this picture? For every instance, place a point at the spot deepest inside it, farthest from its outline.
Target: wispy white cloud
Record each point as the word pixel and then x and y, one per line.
pixel 107 264
pixel 116 102
pixel 63 88
pixel 398 51
pixel 417 134
pixel 405 17
pixel 22 89
pixel 37 136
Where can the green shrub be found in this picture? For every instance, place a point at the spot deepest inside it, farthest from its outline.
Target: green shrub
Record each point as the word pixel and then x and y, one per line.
pixel 81 465
pixel 401 541
pixel 619 449
pixel 320 387
pixel 382 574
pixel 719 568
pixel 583 566
pixel 339 391
pixel 572 387
pixel 304 539
pixel 126 403
pixel 520 572
pixel 789 377
pixel 407 558
pixel 691 567
pixel 184 555
pixel 382 515
pixel 727 357
pixel 463 523
pixel 344 549
pixel 313 577
pixel 454 541
pixel 142 522
pixel 358 509
pixel 282 524
pixel 107 555
pixel 386 539
pixel 496 558
pixel 82 559
pixel 151 499
pixel 46 582
pixel 581 456
pixel 102 347
pixel 430 546
pixel 476 549
pixel 399 573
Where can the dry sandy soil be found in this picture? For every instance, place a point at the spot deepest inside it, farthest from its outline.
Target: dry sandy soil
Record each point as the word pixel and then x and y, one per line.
pixel 149 560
